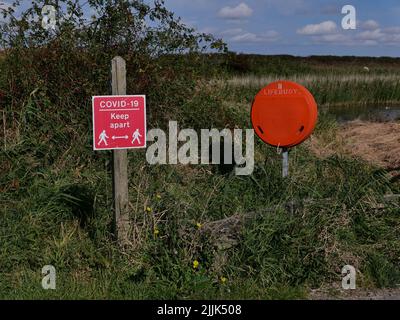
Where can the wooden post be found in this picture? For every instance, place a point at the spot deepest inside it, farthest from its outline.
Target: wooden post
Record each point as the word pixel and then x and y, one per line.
pixel 120 163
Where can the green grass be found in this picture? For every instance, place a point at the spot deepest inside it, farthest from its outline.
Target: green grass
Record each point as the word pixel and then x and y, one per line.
pixel 288 66
pixel 332 80
pixel 55 208
pixel 332 90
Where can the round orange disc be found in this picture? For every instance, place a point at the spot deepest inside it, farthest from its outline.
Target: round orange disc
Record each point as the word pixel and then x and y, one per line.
pixel 284 114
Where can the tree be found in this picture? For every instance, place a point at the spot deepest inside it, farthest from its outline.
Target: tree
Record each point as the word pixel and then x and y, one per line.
pixel 70 61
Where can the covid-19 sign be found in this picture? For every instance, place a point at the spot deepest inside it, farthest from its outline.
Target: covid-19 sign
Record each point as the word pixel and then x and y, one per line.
pixel 119 122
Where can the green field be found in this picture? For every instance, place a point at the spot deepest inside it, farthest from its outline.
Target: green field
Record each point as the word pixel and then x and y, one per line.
pixel 56 208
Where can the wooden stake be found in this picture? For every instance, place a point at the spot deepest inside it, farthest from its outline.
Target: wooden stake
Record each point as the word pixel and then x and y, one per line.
pixel 120 163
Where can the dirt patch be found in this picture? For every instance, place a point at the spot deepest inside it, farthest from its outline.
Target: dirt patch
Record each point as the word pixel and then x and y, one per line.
pixel 377 143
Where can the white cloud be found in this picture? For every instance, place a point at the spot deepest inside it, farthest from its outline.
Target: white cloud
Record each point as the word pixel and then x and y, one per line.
pixel 371 35
pixel 268 36
pixel 325 27
pixel 370 25
pixel 241 11
pixel 336 38
pixel 393 39
pixel 392 30
pixel 231 32
pixel 368 34
pixel 387 36
pixel 246 37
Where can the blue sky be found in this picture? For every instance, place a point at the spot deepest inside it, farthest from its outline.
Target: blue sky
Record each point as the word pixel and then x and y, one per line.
pixel 298 27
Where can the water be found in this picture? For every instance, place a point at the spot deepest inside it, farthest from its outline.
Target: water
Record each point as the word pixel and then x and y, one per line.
pixel 366 113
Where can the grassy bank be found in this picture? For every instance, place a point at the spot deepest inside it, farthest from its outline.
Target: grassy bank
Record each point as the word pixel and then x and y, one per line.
pixel 283 237
pixel 56 209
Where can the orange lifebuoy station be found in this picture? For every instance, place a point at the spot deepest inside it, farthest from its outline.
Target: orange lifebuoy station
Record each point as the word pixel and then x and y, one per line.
pixel 283 115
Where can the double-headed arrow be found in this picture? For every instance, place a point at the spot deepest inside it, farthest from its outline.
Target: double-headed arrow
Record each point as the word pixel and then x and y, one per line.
pixel 116 137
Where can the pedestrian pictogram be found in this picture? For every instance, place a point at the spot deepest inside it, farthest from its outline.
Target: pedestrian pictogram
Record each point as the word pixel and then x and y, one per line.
pixel 136 137
pixel 102 138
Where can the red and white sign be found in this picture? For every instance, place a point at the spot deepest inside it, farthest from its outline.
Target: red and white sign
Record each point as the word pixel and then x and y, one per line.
pixel 119 122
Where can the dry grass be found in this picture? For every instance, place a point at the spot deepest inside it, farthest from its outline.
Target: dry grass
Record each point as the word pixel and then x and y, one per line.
pixel 374 142
pixel 377 143
pixel 260 81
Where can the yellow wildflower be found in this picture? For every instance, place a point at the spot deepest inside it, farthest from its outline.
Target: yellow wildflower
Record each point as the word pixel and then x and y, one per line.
pixel 195 264
pixel 198 225
pixel 223 280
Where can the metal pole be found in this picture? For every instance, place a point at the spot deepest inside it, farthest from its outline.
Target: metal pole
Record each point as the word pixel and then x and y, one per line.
pixel 285 162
